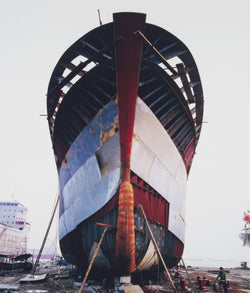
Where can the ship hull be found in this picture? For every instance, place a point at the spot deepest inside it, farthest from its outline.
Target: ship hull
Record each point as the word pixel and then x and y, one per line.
pixel 124 134
pixel 157 177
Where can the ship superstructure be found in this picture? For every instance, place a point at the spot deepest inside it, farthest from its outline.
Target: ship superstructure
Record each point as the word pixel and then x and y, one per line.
pixel 14 228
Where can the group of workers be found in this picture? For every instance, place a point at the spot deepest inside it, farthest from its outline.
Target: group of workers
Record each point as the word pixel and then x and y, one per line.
pixel 221 277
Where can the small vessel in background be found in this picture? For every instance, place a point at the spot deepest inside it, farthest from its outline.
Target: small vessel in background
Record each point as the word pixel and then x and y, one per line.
pixel 14 231
pixel 14 228
pixel 125 110
pixel 245 234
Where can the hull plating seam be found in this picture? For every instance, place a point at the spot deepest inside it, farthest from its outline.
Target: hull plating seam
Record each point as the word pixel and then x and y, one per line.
pixel 124 131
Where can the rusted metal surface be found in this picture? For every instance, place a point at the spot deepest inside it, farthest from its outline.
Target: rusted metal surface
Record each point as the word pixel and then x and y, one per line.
pixel 99 87
pixel 125 235
pixel 99 136
pixel 128 58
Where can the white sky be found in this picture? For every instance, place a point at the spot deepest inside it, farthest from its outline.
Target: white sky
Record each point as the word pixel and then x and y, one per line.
pixel 34 35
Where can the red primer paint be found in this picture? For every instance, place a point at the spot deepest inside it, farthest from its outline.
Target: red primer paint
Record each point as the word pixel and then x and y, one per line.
pixel 128 58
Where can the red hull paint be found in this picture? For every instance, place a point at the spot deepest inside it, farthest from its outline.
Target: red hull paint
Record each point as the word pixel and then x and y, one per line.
pixel 72 113
pixel 128 59
pixel 155 207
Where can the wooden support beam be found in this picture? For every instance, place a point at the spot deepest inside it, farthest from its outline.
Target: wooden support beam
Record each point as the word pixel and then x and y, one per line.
pixel 141 36
pixel 45 237
pixel 185 82
pixel 188 276
pixel 158 251
pixel 92 260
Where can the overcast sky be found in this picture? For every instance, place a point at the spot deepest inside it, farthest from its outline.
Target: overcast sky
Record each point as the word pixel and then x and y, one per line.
pixel 34 35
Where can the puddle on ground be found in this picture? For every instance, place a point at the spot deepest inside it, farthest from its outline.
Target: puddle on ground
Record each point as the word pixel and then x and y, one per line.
pixel 36 291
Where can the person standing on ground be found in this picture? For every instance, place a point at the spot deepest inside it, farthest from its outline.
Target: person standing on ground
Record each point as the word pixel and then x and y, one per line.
pixel 222 279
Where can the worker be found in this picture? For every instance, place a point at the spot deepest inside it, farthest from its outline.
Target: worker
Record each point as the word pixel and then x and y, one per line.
pixel 222 279
pixel 177 276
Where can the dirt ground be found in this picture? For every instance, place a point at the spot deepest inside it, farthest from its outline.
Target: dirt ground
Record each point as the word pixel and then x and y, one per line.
pixel 239 278
pixel 59 283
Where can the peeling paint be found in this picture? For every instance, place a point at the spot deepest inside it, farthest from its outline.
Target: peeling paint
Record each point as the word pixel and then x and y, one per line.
pixel 105 136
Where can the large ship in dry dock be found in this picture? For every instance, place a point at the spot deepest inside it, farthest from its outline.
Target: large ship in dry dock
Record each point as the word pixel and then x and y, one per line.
pixel 125 107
